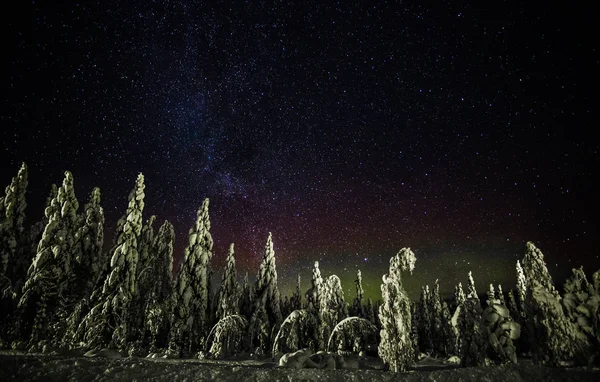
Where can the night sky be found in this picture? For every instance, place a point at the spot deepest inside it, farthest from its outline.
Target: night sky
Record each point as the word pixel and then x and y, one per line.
pixel 348 131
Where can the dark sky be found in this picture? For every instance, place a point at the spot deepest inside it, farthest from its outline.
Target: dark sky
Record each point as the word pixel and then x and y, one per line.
pixel 349 131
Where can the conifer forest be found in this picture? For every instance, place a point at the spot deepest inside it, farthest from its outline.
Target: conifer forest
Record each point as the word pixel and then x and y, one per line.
pixel 66 291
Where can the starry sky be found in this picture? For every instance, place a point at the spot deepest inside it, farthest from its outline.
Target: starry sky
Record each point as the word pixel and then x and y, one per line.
pixel 349 131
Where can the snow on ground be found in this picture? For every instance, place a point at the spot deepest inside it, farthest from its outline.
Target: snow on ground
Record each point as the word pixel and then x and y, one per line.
pixel 37 367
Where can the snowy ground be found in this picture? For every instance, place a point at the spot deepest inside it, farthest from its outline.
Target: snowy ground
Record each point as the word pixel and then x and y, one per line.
pixel 37 367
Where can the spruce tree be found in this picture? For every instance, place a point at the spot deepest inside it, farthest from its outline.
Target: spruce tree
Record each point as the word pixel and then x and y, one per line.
pixel 396 348
pixel 535 270
pixel 435 310
pixel 459 295
pixel 473 334
pixel 51 278
pixel 228 293
pixel 12 235
pixel 357 306
pixel 190 324
pixel 246 298
pixel 109 321
pixel 158 306
pixel 267 316
pixel 471 291
pixel 491 295
pixel 500 295
pixel 90 241
pixel 296 300
pixel 521 289
pixel 426 320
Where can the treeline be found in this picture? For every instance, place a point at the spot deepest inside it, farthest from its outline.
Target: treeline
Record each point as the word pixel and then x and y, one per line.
pixel 61 290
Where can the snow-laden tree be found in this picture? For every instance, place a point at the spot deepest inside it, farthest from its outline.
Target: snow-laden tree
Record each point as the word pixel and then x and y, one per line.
pixel 500 296
pixel 396 347
pixel 435 309
pixel 536 272
pixel 266 316
pixel 158 300
pixel 109 321
pixel 357 306
pixel 90 241
pixel 334 299
pixel 246 298
pixel 521 289
pixel 448 336
pixel 473 333
pixel 296 300
pixel 502 331
pixel 491 294
pixel 51 279
pixel 91 263
pixel 459 295
pixel 512 304
pixel 190 297
pixel 351 335
pixel 227 337
pixel 316 293
pixel 37 228
pixel 580 302
pixel 12 231
pixel 228 292
pixel 554 339
pixel 296 332
pixel 471 291
pixel 144 279
pixel 370 311
pixel 426 319
pixel 316 303
pixel 267 279
pixel 334 307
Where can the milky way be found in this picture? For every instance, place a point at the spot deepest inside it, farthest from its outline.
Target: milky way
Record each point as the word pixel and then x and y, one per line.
pixel 347 131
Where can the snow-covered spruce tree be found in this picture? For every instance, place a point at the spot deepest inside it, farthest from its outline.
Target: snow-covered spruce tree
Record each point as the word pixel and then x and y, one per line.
pixel 425 315
pixel 246 298
pixel 554 340
pixel 500 296
pixel 108 322
pixel 471 291
pixel 370 311
pixel 144 281
pixel 228 292
pixel 473 333
pixel 491 294
pixel 521 289
pixel 435 309
pixel 357 306
pixel 91 263
pixel 502 331
pixel 334 309
pixel 296 300
pixel 315 300
pixel 51 289
pixel 581 304
pixel 535 270
pixel 12 231
pixel 295 333
pixel 190 297
pixel 448 337
pixel 396 347
pixel 37 228
pixel 90 241
pixel 158 306
pixel 459 295
pixel 267 296
pixel 512 304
